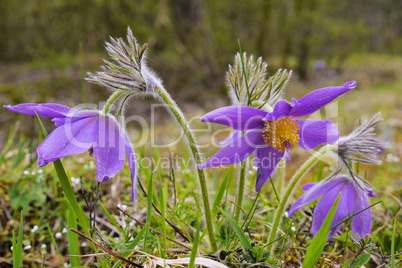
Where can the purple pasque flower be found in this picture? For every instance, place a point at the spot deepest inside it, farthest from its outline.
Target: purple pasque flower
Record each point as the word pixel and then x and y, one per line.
pixel 81 130
pixel 354 198
pixel 271 134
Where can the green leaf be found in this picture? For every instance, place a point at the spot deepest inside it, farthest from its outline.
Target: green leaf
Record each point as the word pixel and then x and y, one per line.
pixel 243 239
pixel 359 261
pixel 196 242
pixel 17 245
pixel 73 242
pixel 317 245
pixel 393 245
pixel 133 244
pixel 221 191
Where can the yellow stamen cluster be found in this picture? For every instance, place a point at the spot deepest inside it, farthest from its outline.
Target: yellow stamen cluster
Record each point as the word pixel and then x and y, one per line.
pixel 281 134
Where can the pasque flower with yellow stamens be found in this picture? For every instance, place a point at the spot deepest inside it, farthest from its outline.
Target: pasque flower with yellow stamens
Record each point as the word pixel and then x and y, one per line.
pixel 271 134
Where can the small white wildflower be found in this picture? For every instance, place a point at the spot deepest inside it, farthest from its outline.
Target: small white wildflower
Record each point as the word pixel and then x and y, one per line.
pixel 124 207
pixel 27 247
pixel 33 172
pixel 66 264
pixel 25 172
pixel 80 160
pixel 11 248
pixel 75 181
pixel 293 229
pixel 392 158
pixel 84 244
pixel 58 235
pixel 286 214
pixel 65 230
pixel 34 229
pixel 119 205
pixel 40 171
pixel 43 246
pixel 91 164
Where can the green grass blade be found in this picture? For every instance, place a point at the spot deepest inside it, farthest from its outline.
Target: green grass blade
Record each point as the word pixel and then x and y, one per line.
pixel 221 191
pixel 196 242
pixel 55 244
pixel 243 239
pixel 133 244
pixel 354 214
pixel 150 194
pixel 73 242
pixel 163 197
pixel 68 191
pixel 110 217
pixel 393 245
pixel 17 245
pixel 317 245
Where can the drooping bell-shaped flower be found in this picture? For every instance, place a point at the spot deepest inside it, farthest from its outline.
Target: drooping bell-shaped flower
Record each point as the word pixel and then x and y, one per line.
pixel 353 200
pixel 83 130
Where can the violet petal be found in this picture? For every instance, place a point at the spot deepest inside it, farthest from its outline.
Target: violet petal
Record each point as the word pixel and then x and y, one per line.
pixel 361 223
pixel 315 132
pixel 69 139
pixel 317 99
pixel 109 150
pixel 314 192
pixel 236 151
pixel 267 158
pixel 323 207
pixel 236 117
pixel 42 109
pixel 133 169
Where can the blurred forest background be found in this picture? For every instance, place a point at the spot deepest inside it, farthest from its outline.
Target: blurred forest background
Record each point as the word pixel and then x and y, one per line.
pixel 47 45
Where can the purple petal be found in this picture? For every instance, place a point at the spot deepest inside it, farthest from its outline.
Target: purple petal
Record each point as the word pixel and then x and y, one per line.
pixel 343 210
pixel 42 109
pixel 282 108
pixel 361 223
pixel 68 139
pixel 288 157
pixel 236 151
pixel 231 137
pixel 323 207
pixel 267 160
pixel 314 192
pixel 73 116
pixel 133 169
pixel 308 186
pixel 110 149
pixel 317 99
pixel 315 132
pixel 237 117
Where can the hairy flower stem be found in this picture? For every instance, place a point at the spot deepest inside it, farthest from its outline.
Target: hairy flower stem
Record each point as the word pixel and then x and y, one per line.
pixel 279 213
pixel 181 120
pixel 240 190
pixel 281 176
pixel 112 99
